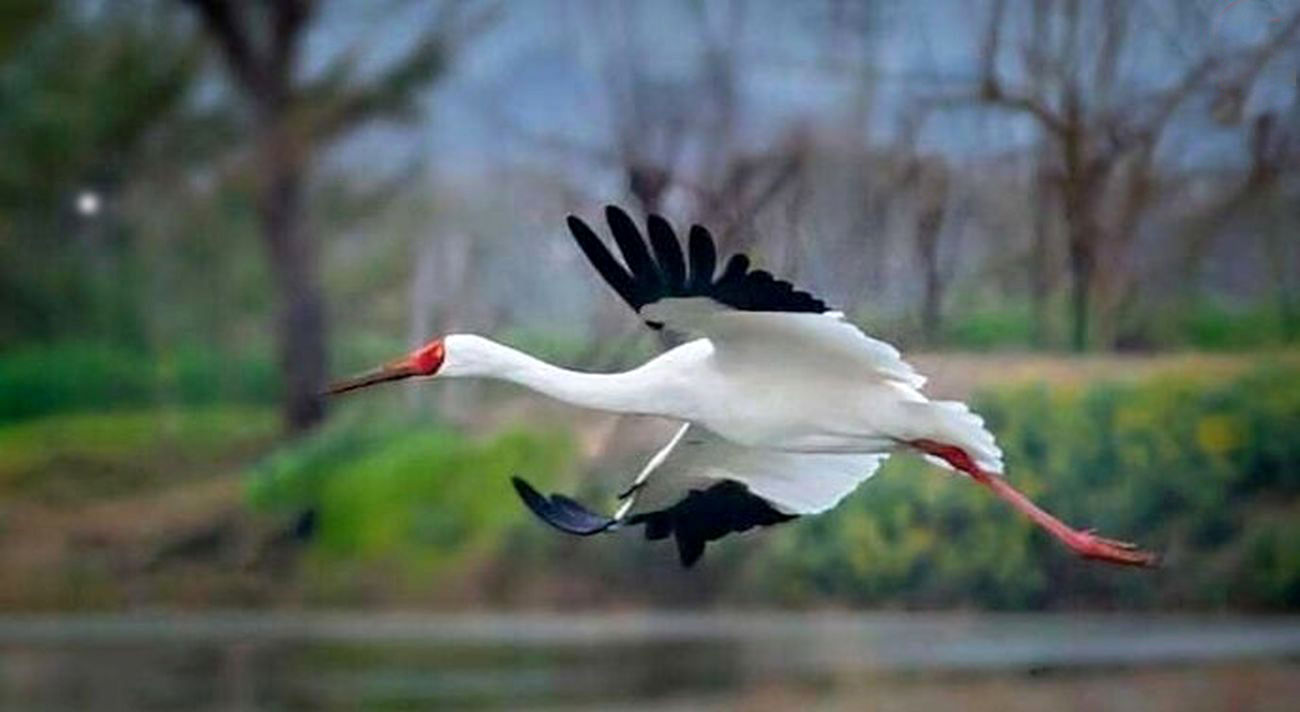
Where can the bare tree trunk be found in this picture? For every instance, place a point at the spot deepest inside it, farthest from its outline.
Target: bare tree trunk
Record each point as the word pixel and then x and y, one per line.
pixel 260 43
pixel 1081 278
pixel 1040 281
pixel 265 74
pixel 931 319
pixel 929 224
pixel 301 336
pixel 1039 278
pixel 1078 188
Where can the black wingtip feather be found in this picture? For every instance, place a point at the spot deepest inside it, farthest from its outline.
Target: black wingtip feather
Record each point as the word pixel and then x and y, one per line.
pixel 704 260
pixel 668 253
pixel 734 272
pixel 600 257
pixel 635 254
pixel 561 512
pixel 659 269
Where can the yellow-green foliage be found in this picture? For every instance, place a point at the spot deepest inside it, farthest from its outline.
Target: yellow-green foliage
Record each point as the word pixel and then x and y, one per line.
pixel 409 492
pixel 1207 473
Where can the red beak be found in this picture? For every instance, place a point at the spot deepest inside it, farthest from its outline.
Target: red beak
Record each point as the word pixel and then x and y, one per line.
pixel 394 371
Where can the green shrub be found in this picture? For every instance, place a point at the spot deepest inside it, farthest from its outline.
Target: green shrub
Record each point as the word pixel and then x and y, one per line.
pixel 1215 327
pixel 199 376
pixel 407 490
pixel 1208 473
pixel 989 329
pixel 72 376
pixel 65 377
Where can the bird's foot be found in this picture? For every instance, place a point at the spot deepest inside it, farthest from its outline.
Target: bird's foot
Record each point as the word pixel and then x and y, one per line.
pixel 1091 546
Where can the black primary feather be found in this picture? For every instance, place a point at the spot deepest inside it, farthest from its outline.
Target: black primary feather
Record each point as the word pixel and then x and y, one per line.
pixel 608 267
pixel 668 253
pixel 698 518
pixel 704 259
pixel 660 270
pixel 635 255
pixel 561 512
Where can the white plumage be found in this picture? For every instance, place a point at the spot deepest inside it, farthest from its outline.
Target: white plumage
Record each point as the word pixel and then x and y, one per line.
pixel 794 482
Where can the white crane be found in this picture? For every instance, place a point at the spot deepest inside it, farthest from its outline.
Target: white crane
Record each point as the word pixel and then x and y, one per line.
pixel 784 406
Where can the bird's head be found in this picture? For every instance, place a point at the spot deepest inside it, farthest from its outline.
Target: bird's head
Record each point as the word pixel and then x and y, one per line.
pixel 425 361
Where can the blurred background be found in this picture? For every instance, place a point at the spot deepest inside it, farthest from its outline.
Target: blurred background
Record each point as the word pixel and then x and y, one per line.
pixel 1081 216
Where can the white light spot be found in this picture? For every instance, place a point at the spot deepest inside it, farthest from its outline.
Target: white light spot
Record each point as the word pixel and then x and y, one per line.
pixel 88 203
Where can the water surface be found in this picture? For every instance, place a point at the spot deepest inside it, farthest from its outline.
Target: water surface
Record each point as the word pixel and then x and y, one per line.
pixel 645 661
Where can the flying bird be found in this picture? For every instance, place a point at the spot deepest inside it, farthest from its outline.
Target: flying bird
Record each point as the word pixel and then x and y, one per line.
pixel 783 406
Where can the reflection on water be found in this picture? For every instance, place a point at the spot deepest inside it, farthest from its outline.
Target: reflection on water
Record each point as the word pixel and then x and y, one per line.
pixel 648 661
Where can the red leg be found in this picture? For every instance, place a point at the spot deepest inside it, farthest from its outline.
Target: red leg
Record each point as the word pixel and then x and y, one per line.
pixel 1084 543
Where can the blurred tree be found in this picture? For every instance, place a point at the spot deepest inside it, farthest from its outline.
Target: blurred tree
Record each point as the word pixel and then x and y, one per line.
pixel 294 116
pixel 83 94
pixel 20 16
pixel 1102 127
pixel 1274 151
pixel 927 180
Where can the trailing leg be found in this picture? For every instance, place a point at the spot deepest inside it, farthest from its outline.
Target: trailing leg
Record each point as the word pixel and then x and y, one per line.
pixel 1085 543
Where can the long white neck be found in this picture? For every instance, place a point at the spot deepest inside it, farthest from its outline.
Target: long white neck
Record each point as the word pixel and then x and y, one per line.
pixel 638 391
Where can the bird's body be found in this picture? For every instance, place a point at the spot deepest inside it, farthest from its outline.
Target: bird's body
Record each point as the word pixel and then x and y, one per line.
pixel 784 406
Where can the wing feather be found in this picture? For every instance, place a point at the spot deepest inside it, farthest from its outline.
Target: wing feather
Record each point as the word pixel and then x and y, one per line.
pixel 635 254
pixel 668 252
pixel 659 270
pixel 704 260
pixel 795 483
pixel 601 258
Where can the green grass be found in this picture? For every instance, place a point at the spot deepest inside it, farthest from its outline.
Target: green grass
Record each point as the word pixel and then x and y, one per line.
pixel 990 329
pixel 406 491
pixel 83 456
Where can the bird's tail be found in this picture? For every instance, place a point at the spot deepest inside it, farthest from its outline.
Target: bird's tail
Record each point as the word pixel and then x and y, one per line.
pixel 953 423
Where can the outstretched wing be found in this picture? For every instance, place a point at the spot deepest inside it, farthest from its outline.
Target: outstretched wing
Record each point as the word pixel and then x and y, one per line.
pixel 708 487
pixel 744 312
pixel 659 269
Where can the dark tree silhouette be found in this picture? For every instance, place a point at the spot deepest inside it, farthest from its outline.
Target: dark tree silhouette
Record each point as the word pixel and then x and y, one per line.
pixel 292 118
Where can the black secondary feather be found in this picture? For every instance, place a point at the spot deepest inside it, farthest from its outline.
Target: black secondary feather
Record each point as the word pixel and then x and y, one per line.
pixel 700 517
pixel 708 515
pixel 659 269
